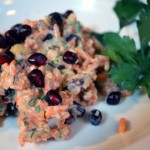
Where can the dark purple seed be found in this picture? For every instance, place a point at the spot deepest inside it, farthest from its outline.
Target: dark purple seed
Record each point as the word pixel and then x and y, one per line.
pixel 37 59
pixel 95 117
pixel 80 109
pixel 48 37
pixel 71 118
pixel 72 37
pixel 56 18
pixel 11 55
pixel 12 109
pixel 53 98
pixel 61 67
pixel 24 31
pixel 36 78
pixel 8 97
pixel 16 27
pixel 6 57
pixel 3 43
pixel 70 57
pixel 67 13
pixel 12 37
pixel 5 99
pixel 113 98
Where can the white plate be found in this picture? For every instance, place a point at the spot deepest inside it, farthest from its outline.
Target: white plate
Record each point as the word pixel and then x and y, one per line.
pixel 98 15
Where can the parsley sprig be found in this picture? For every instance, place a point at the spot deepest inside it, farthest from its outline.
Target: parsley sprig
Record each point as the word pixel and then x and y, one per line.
pixel 129 69
pixel 130 66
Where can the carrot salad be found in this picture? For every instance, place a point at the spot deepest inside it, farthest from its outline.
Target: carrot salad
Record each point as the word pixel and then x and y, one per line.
pixel 49 64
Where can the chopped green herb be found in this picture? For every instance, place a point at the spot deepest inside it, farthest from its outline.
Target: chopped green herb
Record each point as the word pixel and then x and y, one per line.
pixel 61 53
pixel 16 78
pixel 60 136
pixel 25 122
pixel 70 23
pixel 43 97
pixel 33 130
pixel 37 109
pixel 78 27
pixel 33 101
pixel 19 61
pixel 11 94
pixel 127 10
pixel 32 37
pixel 41 91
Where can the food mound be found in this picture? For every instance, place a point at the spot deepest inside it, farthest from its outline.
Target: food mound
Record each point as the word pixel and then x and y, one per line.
pixel 48 68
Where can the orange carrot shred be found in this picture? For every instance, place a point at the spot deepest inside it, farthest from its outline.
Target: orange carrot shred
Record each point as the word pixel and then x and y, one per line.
pixel 122 125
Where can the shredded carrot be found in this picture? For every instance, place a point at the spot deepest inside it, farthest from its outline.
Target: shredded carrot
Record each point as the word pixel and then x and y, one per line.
pixel 122 125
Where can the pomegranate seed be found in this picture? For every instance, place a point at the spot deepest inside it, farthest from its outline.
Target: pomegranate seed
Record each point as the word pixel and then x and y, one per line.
pixel 48 37
pixel 67 13
pixel 53 98
pixel 12 37
pixel 12 109
pixel 24 31
pixel 70 57
pixel 36 78
pixel 114 98
pixel 72 37
pixel 79 108
pixel 95 117
pixel 37 59
pixel 8 97
pixel 56 18
pixel 71 118
pixel 6 57
pixel 3 43
pixel 16 26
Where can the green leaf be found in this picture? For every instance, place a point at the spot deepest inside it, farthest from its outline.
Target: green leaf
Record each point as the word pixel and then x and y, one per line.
pixel 145 80
pixel 144 26
pixel 123 47
pixel 126 75
pixel 148 1
pixel 117 43
pixel 127 10
pixel 143 62
pixel 112 55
